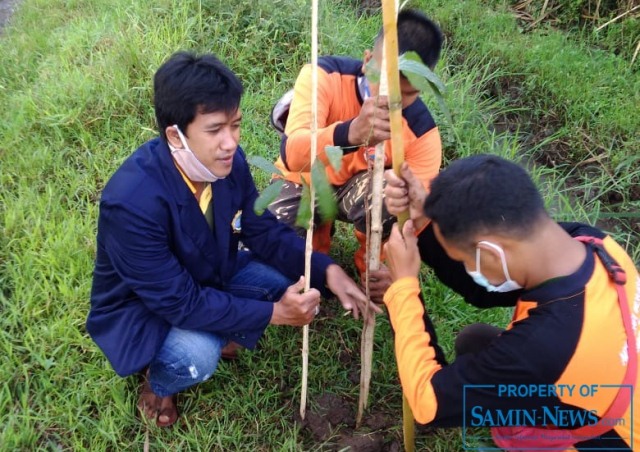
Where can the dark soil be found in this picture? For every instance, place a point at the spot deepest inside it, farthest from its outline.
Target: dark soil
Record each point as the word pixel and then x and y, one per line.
pixel 331 421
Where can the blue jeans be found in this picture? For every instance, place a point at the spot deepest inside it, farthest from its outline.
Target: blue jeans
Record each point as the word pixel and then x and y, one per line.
pixel 188 357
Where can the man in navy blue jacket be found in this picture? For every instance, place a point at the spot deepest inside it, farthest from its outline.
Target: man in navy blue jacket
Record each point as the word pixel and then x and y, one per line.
pixel 171 289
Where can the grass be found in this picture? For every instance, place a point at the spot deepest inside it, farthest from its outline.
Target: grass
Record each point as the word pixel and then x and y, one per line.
pixel 75 84
pixel 572 106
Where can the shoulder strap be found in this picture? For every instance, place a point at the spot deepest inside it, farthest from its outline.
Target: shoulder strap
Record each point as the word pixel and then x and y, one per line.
pixel 623 397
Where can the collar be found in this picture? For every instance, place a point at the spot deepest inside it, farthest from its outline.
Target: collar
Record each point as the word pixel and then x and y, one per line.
pixel 564 286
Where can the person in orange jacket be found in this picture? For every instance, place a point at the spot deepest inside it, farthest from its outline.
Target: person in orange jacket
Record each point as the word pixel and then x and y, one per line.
pixel 563 373
pixel 352 115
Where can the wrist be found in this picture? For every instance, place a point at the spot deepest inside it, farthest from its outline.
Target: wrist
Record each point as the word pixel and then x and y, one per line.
pixel 353 135
pixel 400 287
pixel 276 317
pixel 342 134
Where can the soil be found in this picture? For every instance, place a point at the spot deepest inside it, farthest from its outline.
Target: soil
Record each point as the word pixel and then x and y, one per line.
pixel 331 421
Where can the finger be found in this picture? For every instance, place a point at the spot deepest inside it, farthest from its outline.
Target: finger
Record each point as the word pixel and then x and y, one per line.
pixel 378 286
pixel 297 287
pixel 355 312
pixel 382 102
pixel 382 114
pixel 396 195
pixel 408 175
pixel 409 234
pixel 383 127
pixel 395 235
pixel 379 274
pixel 393 180
pixel 395 200
pixel 312 297
pixel 382 136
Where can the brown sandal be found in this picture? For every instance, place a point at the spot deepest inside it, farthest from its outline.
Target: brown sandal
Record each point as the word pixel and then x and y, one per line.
pixel 230 351
pixel 153 406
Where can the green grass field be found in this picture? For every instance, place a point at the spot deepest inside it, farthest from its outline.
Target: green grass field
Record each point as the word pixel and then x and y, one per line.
pixel 75 91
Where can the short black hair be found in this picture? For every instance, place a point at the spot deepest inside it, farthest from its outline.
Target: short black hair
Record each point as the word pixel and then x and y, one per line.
pixel 418 33
pixel 187 84
pixel 483 194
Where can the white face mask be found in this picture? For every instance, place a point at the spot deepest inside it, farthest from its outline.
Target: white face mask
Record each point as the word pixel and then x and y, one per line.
pixel 189 163
pixel 481 280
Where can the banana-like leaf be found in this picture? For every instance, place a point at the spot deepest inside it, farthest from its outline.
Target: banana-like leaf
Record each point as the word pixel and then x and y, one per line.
pixel 411 63
pixel 265 165
pixel 423 78
pixel 304 209
pixel 267 196
pixel 327 206
pixel 334 154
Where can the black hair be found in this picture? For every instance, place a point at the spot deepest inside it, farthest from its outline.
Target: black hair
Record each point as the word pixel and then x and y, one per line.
pixel 418 33
pixel 483 194
pixel 187 84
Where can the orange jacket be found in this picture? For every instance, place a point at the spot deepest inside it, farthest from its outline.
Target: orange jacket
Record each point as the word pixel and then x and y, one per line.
pixel 339 102
pixel 565 333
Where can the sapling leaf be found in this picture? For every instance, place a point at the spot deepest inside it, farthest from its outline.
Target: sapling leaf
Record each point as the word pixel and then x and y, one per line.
pixel 267 196
pixel 372 71
pixel 265 165
pixel 304 209
pixel 327 206
pixel 334 154
pixel 411 63
pixel 423 78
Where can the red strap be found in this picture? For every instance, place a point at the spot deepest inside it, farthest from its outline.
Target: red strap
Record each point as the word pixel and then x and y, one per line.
pixel 623 397
pixel 510 438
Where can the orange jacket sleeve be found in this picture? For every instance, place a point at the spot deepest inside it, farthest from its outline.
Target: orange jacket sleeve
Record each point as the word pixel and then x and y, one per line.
pixel 298 131
pixel 416 361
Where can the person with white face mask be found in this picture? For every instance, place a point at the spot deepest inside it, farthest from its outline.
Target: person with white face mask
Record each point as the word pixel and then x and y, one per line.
pixel 189 163
pixel 172 292
pixel 484 231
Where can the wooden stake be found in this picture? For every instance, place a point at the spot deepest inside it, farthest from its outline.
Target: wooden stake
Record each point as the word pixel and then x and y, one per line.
pixel 390 23
pixel 309 242
pixel 389 17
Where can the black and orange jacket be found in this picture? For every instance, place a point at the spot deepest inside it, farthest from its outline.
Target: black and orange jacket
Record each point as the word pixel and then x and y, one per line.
pixel 339 102
pixel 567 331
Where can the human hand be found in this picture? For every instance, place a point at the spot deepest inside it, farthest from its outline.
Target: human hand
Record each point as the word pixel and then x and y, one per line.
pixel 372 125
pixel 350 295
pixel 402 253
pixel 379 282
pixel 405 193
pixel 296 308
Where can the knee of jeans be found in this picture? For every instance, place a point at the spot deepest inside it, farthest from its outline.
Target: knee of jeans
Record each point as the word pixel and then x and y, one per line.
pixel 201 368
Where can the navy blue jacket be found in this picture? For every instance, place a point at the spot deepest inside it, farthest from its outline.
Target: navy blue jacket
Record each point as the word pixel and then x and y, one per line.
pixel 159 265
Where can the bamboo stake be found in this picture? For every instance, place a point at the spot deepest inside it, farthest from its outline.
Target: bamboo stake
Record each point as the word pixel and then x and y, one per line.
pixel 390 22
pixel 372 259
pixel 389 14
pixel 309 242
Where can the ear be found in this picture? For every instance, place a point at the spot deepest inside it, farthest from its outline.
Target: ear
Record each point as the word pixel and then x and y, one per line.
pixel 173 138
pixel 365 59
pixel 489 253
pixel 505 243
